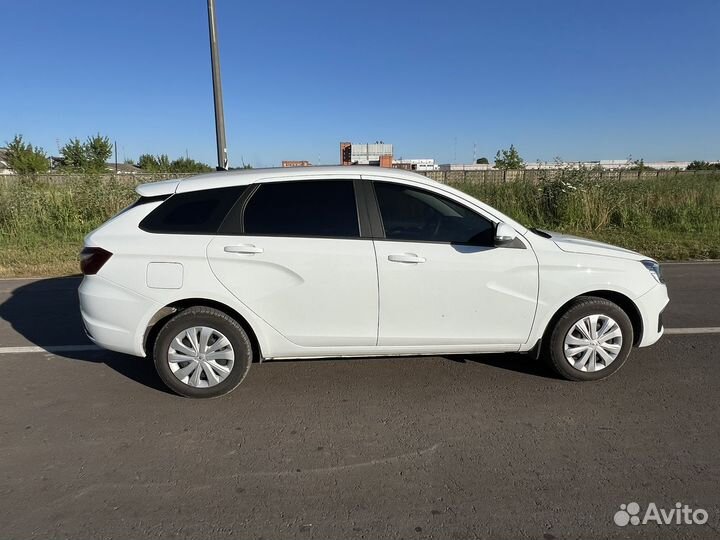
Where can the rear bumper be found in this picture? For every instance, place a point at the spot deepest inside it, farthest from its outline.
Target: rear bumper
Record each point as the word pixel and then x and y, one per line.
pixel 651 305
pixel 114 317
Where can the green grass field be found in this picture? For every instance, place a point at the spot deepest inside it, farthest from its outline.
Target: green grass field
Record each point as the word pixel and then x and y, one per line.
pixel 668 218
pixel 42 225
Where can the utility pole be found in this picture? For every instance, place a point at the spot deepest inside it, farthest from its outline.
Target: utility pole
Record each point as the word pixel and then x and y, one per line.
pixel 217 90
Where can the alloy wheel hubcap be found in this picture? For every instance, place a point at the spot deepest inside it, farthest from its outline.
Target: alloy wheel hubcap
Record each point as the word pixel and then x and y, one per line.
pixel 593 343
pixel 201 357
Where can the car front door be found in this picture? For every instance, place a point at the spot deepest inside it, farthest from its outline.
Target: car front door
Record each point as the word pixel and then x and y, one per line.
pixel 442 282
pixel 294 255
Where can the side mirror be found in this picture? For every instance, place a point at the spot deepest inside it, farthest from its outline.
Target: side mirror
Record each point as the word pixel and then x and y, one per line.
pixel 504 235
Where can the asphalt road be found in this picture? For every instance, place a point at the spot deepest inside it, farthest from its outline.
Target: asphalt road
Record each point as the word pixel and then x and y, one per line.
pixel 92 446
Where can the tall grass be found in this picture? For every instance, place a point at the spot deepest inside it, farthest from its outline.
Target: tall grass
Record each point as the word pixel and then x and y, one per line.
pixel 42 224
pixel 578 202
pixel 67 210
pixel 666 217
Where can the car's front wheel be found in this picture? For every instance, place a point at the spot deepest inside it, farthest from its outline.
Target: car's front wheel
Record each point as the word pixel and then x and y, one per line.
pixel 202 353
pixel 591 340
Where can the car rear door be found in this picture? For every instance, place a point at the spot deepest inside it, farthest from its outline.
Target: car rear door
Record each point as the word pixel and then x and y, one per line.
pixel 293 253
pixel 441 280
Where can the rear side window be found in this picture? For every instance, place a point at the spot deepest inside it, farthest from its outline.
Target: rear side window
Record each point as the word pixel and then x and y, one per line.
pixel 324 208
pixel 420 216
pixel 195 212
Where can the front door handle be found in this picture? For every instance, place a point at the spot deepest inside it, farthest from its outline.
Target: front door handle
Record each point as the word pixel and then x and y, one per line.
pixel 245 248
pixel 410 258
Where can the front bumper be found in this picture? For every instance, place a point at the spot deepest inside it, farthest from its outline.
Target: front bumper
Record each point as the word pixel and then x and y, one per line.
pixel 113 316
pixel 651 306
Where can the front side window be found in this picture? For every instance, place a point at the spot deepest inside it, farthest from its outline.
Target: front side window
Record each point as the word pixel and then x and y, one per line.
pixel 420 216
pixel 193 212
pixel 323 208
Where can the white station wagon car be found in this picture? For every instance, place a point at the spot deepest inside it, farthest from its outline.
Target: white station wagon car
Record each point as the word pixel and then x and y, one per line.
pixel 210 273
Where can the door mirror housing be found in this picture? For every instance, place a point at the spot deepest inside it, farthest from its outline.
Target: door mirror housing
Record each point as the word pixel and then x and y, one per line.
pixel 505 235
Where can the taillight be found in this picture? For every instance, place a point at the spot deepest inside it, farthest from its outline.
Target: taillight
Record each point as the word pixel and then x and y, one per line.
pixel 92 259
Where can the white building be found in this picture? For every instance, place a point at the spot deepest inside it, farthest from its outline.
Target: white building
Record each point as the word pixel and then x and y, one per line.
pixel 4 167
pixel 422 164
pixel 608 164
pixel 369 154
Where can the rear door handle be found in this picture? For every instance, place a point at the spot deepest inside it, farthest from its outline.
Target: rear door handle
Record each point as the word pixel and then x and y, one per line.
pixel 245 248
pixel 409 258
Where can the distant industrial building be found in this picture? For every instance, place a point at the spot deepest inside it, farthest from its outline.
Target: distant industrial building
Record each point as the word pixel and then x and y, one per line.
pixel 605 164
pixel 415 164
pixel 608 164
pixel 379 154
pixel 296 163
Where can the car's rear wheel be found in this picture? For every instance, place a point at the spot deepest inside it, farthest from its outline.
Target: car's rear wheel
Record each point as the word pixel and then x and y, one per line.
pixel 591 340
pixel 202 353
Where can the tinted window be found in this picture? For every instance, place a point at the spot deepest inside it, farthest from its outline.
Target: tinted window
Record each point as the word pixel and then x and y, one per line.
pixel 195 212
pixel 307 208
pixel 414 214
pixel 141 201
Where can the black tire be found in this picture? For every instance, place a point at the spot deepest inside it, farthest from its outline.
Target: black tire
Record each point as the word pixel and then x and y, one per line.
pixel 582 307
pixel 212 318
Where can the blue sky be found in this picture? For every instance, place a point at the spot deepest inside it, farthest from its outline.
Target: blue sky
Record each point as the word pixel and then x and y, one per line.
pixel 576 79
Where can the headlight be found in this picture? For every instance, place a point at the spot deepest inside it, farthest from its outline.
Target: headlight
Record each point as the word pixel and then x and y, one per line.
pixel 654 269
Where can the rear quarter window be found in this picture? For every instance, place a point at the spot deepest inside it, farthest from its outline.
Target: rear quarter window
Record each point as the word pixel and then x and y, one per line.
pixel 195 212
pixel 144 200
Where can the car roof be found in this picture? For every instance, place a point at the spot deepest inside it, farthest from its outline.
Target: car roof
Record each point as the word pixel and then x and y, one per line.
pixel 250 176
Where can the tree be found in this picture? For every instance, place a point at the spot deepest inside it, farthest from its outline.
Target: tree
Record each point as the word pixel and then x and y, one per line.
pixel 703 166
pixel 90 156
pixel 639 165
pixel 24 159
pixel 509 159
pixel 73 155
pixel 148 162
pixel 98 150
pixel 482 161
pixel 187 165
pixel 162 163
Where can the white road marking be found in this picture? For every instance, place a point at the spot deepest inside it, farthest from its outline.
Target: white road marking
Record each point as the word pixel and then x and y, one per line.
pixel 677 263
pixel 78 348
pixel 48 349
pixel 705 330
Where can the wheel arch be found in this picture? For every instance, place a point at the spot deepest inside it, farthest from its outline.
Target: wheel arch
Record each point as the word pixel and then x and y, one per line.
pixel 621 300
pixel 167 312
